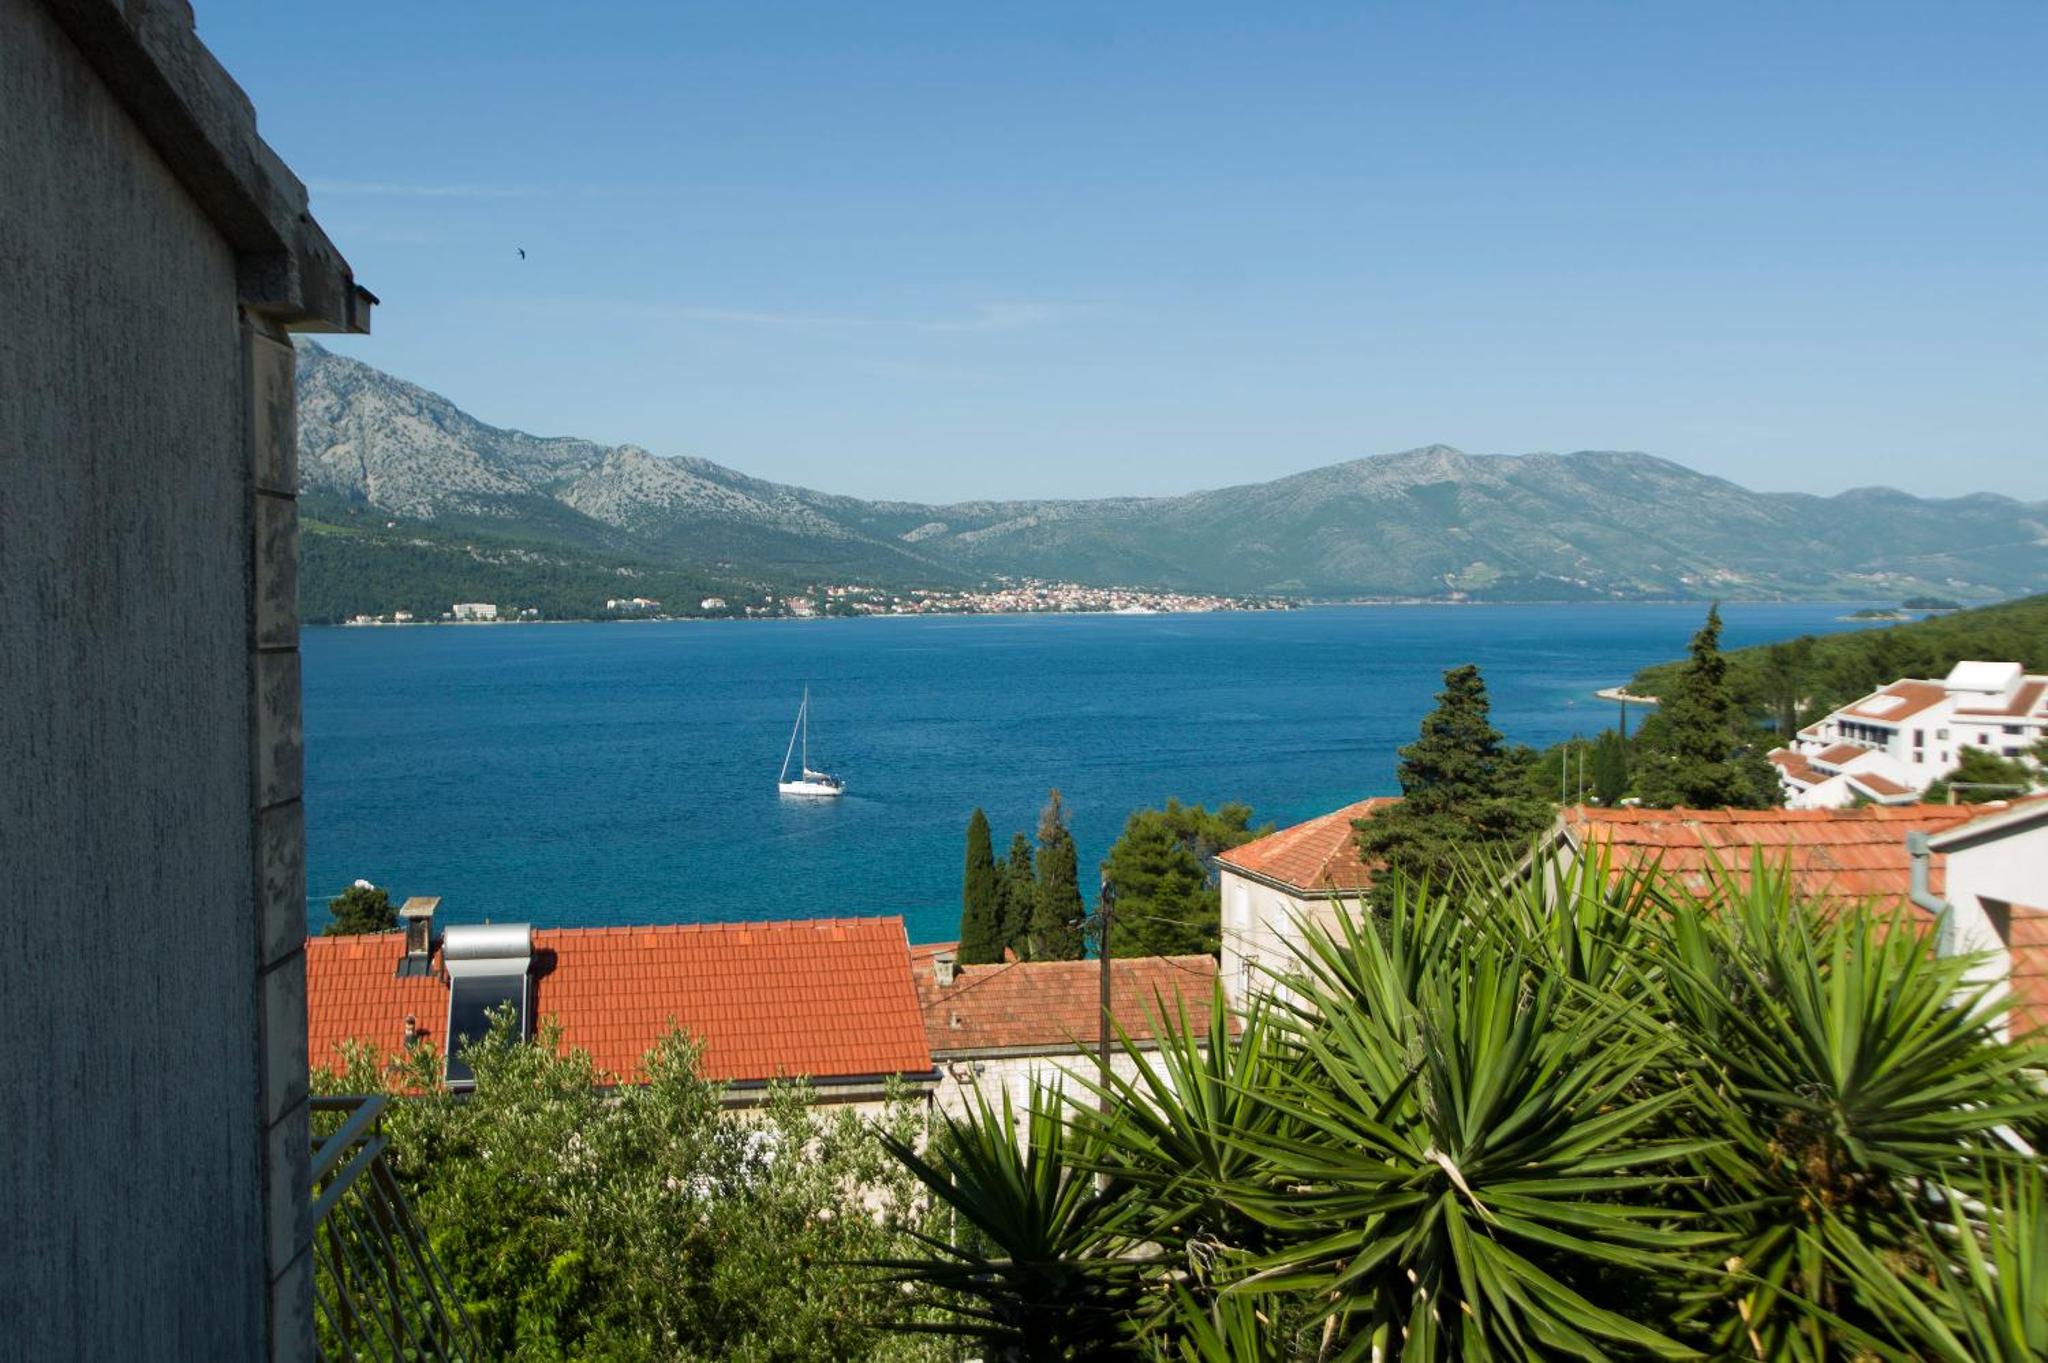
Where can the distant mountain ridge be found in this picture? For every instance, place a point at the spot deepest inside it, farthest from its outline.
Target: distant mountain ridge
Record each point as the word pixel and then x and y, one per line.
pixel 1430 522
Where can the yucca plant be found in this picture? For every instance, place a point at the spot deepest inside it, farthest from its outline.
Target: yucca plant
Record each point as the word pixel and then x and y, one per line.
pixel 1985 1298
pixel 1039 1266
pixel 1855 1080
pixel 1471 1152
pixel 1174 1129
pixel 1226 1329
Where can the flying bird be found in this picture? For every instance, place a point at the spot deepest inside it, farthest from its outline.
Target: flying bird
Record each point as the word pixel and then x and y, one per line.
pixel 522 252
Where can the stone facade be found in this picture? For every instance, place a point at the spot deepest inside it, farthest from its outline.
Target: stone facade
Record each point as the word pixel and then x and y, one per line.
pixel 154 255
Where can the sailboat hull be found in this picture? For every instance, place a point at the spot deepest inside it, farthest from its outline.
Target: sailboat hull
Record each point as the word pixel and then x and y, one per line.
pixel 813 788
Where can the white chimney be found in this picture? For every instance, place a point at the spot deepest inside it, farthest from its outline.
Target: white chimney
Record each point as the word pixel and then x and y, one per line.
pixel 944 964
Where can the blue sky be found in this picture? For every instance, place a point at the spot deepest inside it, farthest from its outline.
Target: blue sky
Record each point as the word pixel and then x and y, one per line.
pixel 954 250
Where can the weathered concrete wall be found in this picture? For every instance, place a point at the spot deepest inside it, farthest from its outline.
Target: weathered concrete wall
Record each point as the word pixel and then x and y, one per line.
pixel 132 1173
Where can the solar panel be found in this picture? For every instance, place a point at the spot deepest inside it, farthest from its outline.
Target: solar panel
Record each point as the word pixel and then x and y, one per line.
pixel 470 999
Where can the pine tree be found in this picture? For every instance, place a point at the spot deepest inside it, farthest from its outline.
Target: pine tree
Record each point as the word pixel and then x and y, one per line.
pixel 1163 869
pixel 361 908
pixel 1019 896
pixel 1462 789
pixel 981 929
pixel 1697 756
pixel 1059 919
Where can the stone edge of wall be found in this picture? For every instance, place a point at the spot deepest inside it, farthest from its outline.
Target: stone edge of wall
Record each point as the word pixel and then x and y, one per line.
pixel 204 127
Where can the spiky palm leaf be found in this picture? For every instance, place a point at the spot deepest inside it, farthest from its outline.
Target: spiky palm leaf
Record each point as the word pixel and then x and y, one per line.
pixel 1469 1147
pixel 1986 1300
pixel 1038 1266
pixel 1855 1077
pixel 1174 1128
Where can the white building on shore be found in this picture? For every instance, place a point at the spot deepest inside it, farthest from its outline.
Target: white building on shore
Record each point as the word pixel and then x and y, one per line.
pixel 475 610
pixel 1889 746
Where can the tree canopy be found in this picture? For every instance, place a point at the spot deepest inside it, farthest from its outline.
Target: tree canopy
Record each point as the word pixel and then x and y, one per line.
pixel 361 908
pixel 1463 790
pixel 583 1220
pixel 1980 777
pixel 1700 749
pixel 1163 872
pixel 1821 673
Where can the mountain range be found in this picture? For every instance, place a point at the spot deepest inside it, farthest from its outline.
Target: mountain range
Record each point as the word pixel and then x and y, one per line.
pixel 1424 523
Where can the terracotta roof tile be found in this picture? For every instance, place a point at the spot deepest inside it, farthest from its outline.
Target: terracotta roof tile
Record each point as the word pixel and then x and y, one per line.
pixel 1048 1004
pixel 2029 977
pixel 1795 766
pixel 1879 785
pixel 1839 753
pixel 1834 855
pixel 1914 696
pixel 823 998
pixel 1314 857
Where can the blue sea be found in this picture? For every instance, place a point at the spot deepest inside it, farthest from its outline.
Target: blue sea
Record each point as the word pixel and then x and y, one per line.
pixel 625 773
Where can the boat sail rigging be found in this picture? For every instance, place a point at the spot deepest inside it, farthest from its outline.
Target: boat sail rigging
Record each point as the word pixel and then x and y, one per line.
pixel 808 782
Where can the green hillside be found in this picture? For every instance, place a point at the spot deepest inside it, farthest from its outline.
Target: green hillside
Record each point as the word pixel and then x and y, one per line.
pixel 353 562
pixel 1820 673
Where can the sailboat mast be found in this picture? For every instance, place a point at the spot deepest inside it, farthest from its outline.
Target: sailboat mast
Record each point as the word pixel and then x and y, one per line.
pixel 807 732
pixel 786 752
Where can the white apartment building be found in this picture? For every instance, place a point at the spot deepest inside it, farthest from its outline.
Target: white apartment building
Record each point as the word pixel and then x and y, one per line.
pixel 475 610
pixel 1889 746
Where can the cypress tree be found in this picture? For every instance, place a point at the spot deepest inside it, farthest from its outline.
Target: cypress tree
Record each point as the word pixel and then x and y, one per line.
pixel 1059 919
pixel 981 928
pixel 1462 789
pixel 1699 759
pixel 1017 895
pixel 1609 768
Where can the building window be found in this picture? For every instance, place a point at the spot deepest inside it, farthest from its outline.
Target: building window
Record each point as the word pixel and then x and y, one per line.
pixel 1941 734
pixel 1919 738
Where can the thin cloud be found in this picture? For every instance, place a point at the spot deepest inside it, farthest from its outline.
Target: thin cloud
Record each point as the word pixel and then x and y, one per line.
pixel 392 189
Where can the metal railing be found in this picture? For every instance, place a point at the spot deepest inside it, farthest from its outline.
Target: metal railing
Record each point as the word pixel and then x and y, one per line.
pixel 378 1291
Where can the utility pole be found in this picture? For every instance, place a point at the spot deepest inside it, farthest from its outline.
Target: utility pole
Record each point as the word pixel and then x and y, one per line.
pixel 1107 905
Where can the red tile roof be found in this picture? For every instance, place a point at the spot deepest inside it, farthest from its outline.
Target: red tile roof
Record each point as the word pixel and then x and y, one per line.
pixel 1795 766
pixel 1056 1005
pixel 2029 978
pixel 1879 785
pixel 1317 857
pixel 2022 702
pixel 824 998
pixel 1839 753
pixel 1839 855
pixel 1915 695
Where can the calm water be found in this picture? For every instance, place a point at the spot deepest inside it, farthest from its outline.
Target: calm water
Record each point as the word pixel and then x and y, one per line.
pixel 593 774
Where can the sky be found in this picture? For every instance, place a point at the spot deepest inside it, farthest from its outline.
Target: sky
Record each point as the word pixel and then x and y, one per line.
pixel 941 251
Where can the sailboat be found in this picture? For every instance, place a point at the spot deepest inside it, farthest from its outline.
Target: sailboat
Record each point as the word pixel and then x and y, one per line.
pixel 808 782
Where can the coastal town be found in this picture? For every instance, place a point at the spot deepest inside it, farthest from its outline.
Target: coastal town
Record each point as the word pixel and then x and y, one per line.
pixel 1026 596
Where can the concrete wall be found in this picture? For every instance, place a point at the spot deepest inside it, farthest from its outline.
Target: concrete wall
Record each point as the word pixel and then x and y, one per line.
pixel 1262 931
pixel 152 1177
pixel 1988 879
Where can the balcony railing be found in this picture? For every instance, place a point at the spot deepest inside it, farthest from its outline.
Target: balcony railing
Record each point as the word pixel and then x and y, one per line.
pixel 378 1291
